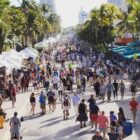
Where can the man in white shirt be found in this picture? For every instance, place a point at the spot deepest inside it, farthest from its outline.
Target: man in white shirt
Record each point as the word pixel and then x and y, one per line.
pixel 75 101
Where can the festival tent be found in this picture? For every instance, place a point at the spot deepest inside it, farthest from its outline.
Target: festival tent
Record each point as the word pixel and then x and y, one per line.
pixel 52 40
pixel 42 44
pixel 7 65
pixel 15 56
pixel 33 50
pixel 28 53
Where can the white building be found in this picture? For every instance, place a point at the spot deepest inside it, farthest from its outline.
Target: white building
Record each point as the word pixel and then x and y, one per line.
pixel 122 4
pixel 50 3
pixel 83 16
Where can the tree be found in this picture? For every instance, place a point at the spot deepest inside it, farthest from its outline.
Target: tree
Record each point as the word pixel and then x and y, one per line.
pixel 100 30
pixel 4 25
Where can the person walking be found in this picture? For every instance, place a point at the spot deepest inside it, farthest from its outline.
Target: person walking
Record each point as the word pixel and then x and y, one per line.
pixel 94 111
pixel 102 90
pixel 121 116
pixel 51 100
pixel 13 95
pixel 133 88
pixel 97 88
pixel 115 89
pixel 60 91
pixel 134 107
pixel 83 82
pixel 109 89
pixel 75 101
pixel 42 100
pixel 15 127
pixel 82 117
pixel 103 123
pixel 33 103
pixel 113 120
pixel 66 105
pixel 122 89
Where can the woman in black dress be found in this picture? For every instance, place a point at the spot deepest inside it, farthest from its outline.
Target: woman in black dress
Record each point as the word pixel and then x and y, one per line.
pixel 82 117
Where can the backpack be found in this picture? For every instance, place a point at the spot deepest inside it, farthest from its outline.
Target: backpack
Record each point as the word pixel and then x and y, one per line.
pixel 66 102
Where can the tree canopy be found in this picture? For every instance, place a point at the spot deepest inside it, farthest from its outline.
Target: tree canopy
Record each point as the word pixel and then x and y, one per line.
pixel 29 22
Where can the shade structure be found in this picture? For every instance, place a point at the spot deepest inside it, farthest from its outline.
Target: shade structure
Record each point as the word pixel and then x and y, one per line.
pixel 43 44
pixel 134 44
pixel 29 53
pixel 127 51
pixel 122 48
pixel 131 56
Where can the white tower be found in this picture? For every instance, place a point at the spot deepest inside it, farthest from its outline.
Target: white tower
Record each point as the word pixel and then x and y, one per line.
pixel 83 16
pixel 50 3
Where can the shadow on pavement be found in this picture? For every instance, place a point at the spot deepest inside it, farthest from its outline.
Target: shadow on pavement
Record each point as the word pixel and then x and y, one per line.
pixel 26 118
pixel 50 124
pixel 52 119
pixel 67 131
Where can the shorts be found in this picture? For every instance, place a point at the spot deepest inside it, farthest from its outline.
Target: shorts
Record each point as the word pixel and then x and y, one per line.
pixel 94 117
pixel 103 130
pixel 51 101
pixel 42 106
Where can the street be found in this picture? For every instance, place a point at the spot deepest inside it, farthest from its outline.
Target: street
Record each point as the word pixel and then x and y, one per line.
pixel 52 126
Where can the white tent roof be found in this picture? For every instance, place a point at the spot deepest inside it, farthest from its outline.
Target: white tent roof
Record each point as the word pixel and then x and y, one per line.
pixel 43 44
pixel 28 53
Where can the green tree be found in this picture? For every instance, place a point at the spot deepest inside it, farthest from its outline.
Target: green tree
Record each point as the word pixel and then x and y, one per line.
pixel 4 25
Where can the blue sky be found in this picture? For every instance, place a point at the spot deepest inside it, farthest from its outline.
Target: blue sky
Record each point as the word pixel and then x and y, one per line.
pixel 69 9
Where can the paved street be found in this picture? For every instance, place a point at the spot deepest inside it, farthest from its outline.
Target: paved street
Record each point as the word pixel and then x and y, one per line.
pixel 53 127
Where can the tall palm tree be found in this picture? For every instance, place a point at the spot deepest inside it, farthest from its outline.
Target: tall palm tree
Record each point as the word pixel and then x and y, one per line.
pixel 4 25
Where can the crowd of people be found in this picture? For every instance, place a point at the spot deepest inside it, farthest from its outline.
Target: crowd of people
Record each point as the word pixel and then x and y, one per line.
pixel 62 76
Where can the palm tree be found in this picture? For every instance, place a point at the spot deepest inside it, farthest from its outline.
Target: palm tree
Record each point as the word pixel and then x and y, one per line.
pixel 4 25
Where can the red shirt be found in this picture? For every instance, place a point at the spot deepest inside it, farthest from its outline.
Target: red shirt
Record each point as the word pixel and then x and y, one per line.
pixel 103 121
pixel 133 105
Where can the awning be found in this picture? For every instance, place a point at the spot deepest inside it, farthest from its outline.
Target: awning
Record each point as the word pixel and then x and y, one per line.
pixel 131 56
pixel 134 44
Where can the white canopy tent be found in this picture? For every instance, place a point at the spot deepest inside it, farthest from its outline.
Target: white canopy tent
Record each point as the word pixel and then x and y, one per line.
pixel 43 44
pixel 28 53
